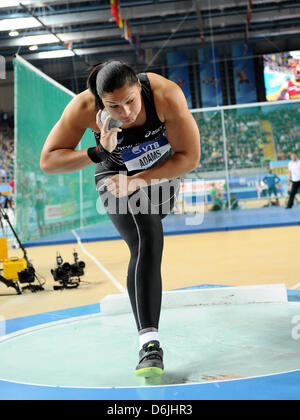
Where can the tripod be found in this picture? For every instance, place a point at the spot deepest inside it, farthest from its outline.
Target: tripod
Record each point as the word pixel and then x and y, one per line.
pixel 11 283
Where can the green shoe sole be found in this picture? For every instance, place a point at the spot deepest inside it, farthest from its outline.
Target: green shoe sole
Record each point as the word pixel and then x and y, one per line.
pixel 149 372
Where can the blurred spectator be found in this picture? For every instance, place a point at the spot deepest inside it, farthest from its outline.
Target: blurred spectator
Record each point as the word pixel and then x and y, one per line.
pixel 217 198
pixel 6 201
pixel 294 178
pixel 262 189
pixel 40 200
pixel 6 149
pixel 12 185
pixel 234 203
pixel 272 180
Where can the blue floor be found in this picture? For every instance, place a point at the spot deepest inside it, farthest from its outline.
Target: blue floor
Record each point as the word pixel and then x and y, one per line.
pixel 189 223
pixel 283 386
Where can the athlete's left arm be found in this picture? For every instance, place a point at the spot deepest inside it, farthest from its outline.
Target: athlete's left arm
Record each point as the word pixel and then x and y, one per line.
pixel 182 133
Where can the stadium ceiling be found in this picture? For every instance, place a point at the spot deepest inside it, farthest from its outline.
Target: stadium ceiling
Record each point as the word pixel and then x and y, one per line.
pixel 93 36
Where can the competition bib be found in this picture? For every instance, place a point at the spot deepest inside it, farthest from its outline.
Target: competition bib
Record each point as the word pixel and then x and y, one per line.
pixel 144 155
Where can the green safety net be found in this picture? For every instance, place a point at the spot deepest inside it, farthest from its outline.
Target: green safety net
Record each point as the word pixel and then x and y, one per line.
pixel 47 204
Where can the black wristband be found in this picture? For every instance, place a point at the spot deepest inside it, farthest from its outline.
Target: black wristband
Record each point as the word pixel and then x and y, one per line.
pixel 97 154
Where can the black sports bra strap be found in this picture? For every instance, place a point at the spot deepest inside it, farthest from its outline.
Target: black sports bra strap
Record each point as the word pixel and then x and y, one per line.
pixel 149 99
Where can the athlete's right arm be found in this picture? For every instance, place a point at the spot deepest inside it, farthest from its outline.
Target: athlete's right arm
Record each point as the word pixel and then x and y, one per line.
pixel 59 154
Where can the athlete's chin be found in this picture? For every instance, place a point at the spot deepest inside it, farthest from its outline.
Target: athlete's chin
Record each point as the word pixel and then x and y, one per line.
pixel 129 120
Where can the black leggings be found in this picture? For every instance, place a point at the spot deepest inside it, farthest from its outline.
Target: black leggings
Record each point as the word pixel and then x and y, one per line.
pixel 294 190
pixel 138 219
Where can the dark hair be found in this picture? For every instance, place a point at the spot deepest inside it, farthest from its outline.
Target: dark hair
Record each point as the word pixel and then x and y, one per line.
pixel 109 76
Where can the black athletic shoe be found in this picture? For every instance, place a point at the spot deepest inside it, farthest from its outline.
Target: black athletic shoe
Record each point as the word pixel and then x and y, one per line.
pixel 151 361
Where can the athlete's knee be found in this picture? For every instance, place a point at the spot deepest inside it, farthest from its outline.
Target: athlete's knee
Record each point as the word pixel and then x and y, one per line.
pixel 151 247
pixel 145 247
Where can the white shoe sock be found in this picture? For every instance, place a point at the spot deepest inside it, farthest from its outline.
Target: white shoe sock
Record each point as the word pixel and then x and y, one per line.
pixel 148 336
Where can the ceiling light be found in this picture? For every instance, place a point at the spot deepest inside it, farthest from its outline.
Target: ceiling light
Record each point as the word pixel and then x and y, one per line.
pixel 9 3
pixel 33 48
pixel 18 23
pixel 12 4
pixel 54 54
pixel 38 40
pixel 13 33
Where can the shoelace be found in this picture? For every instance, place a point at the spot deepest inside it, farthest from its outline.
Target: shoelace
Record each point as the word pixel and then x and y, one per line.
pixel 152 352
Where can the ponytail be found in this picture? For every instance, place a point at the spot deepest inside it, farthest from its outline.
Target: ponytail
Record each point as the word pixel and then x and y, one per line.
pixel 92 86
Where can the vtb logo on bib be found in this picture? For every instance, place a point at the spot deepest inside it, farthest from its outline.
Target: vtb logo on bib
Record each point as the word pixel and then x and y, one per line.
pixel 144 155
pixel 144 148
